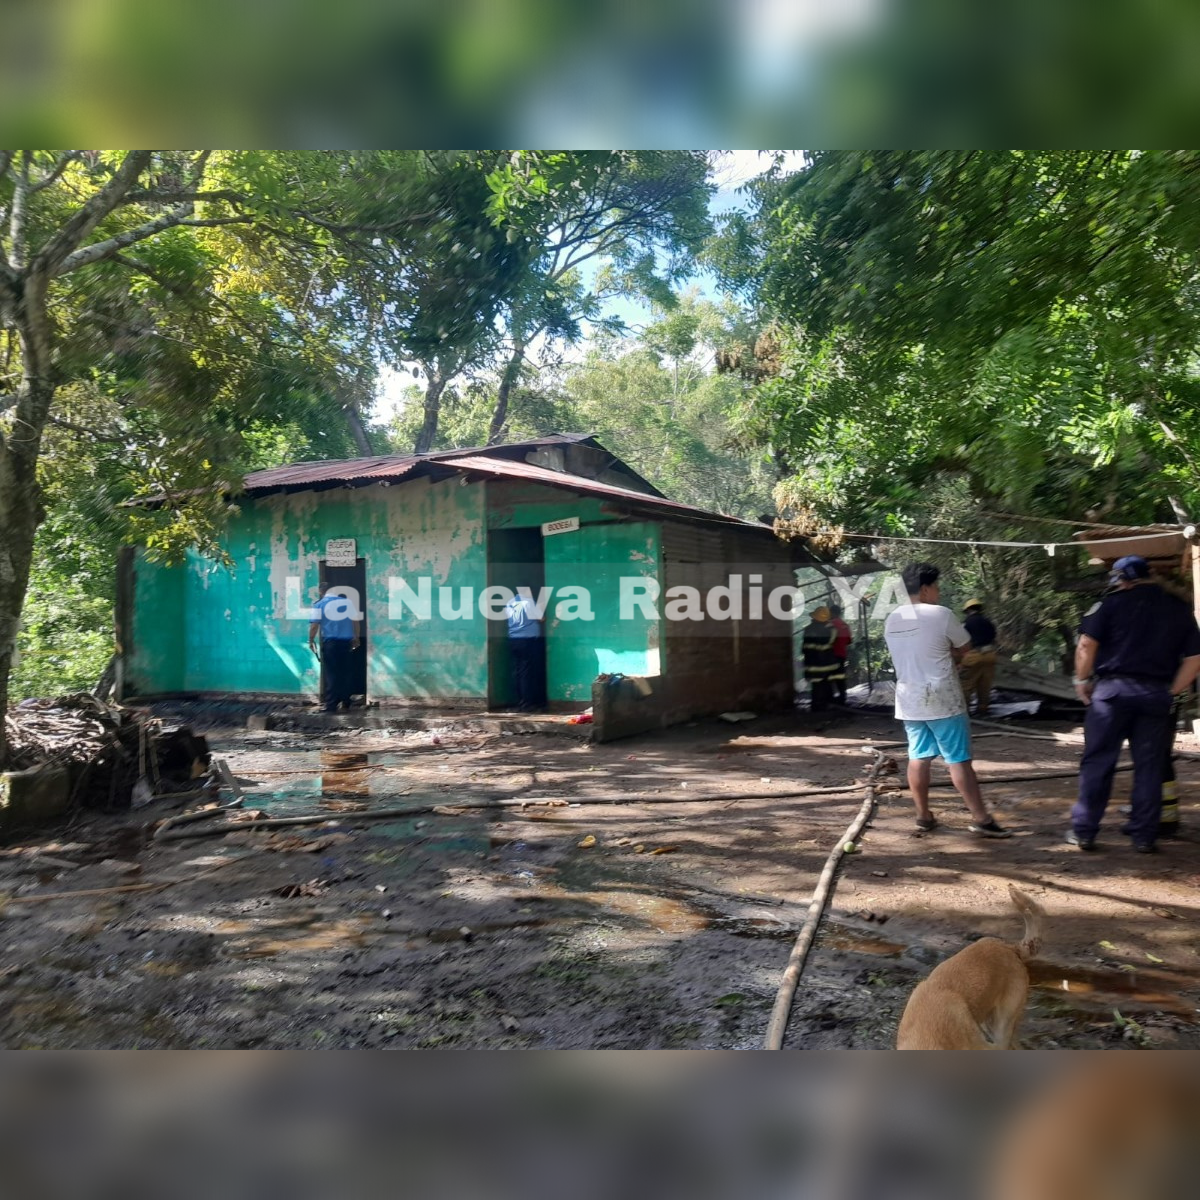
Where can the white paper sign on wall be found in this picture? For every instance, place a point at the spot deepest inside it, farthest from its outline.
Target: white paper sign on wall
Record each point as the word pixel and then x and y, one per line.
pixel 566 525
pixel 340 552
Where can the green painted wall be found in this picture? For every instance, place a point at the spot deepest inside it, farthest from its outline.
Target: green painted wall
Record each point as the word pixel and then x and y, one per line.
pixel 154 657
pixel 595 557
pixel 235 631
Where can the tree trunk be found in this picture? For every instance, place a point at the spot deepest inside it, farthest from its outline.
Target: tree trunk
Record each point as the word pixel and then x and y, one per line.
pixel 435 385
pixel 20 513
pixel 512 369
pixel 21 510
pixel 358 431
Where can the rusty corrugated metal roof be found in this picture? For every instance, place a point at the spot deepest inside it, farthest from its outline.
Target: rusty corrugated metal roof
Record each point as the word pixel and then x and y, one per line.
pixel 325 474
pixel 301 476
pixel 381 466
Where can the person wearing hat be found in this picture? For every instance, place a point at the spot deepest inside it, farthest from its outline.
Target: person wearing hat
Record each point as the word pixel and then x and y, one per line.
pixel 979 663
pixel 1138 648
pixel 821 665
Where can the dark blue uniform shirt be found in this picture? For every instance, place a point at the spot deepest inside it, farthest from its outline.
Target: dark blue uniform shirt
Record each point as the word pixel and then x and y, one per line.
pixel 1143 633
pixel 982 631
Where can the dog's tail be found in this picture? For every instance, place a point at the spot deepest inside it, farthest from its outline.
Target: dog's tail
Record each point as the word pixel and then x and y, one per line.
pixel 1034 915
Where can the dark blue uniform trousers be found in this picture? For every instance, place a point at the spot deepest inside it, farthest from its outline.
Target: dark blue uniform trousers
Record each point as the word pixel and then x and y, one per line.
pixel 335 657
pixel 1124 709
pixel 529 671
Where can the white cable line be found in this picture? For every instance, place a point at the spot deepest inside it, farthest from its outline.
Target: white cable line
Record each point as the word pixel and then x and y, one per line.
pixel 1081 545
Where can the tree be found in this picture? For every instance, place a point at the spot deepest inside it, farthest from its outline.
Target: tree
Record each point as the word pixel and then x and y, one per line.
pixel 641 214
pixel 1028 318
pixel 209 296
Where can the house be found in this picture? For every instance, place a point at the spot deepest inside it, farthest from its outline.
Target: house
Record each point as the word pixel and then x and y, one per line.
pixel 420 540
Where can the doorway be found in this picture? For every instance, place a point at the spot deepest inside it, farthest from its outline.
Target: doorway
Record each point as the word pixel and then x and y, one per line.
pixel 351 577
pixel 516 558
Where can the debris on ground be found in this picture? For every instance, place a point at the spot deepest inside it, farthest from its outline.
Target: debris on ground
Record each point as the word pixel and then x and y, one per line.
pixel 118 757
pixel 671 931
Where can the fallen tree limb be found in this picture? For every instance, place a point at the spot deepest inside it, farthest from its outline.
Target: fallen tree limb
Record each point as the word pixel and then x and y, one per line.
pixel 104 891
pixel 804 940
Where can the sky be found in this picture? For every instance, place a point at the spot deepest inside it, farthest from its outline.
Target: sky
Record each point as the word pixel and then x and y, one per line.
pixel 736 168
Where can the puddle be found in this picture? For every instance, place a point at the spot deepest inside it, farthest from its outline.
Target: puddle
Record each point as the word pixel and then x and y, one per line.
pixel 1102 989
pixel 840 937
pixel 344 774
pixel 325 777
pixel 437 834
pixel 753 927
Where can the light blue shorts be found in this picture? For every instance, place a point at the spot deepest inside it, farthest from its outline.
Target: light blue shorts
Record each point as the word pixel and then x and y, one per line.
pixel 948 736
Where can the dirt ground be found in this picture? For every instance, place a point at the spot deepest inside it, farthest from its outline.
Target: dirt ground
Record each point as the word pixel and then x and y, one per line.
pixel 586 924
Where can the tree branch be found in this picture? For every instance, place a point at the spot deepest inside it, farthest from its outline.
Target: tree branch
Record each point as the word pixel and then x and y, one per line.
pixel 110 246
pixel 178 195
pixel 64 160
pixel 16 228
pixel 60 423
pixel 90 214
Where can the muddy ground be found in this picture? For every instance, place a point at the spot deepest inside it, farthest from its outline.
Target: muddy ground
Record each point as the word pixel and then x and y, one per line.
pixel 514 928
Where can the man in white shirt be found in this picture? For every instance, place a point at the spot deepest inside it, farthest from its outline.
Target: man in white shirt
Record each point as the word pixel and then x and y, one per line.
pixel 926 641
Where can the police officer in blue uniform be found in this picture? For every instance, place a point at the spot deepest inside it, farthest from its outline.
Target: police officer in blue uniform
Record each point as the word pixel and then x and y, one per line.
pixel 1138 649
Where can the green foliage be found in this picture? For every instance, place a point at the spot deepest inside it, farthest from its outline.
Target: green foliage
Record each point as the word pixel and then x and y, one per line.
pixel 654 401
pixel 65 639
pixel 639 218
pixel 1027 319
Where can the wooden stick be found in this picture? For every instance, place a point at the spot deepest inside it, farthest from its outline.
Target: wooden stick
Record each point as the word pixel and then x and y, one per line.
pixel 474 805
pixel 104 891
pixel 791 975
pixel 162 885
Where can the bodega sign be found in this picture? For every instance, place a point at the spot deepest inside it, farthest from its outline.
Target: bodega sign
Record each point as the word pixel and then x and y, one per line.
pixel 566 525
pixel 341 552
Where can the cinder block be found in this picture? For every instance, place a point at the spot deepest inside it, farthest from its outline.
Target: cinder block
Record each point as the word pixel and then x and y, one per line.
pixel 34 796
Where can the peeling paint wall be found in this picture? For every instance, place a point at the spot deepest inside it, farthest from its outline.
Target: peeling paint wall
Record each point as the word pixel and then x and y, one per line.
pixel 233 626
pixel 596 557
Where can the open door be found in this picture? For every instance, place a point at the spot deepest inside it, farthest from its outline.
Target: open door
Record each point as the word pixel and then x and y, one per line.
pixel 515 559
pixel 352 577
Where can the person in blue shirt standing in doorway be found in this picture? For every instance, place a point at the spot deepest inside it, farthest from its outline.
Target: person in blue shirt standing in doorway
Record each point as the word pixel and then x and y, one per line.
pixel 341 635
pixel 1138 648
pixel 527 653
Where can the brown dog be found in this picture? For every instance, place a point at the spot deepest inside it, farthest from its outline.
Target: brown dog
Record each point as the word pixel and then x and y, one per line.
pixel 975 1000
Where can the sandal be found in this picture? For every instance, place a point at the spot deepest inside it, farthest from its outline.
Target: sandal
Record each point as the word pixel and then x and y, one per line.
pixel 927 824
